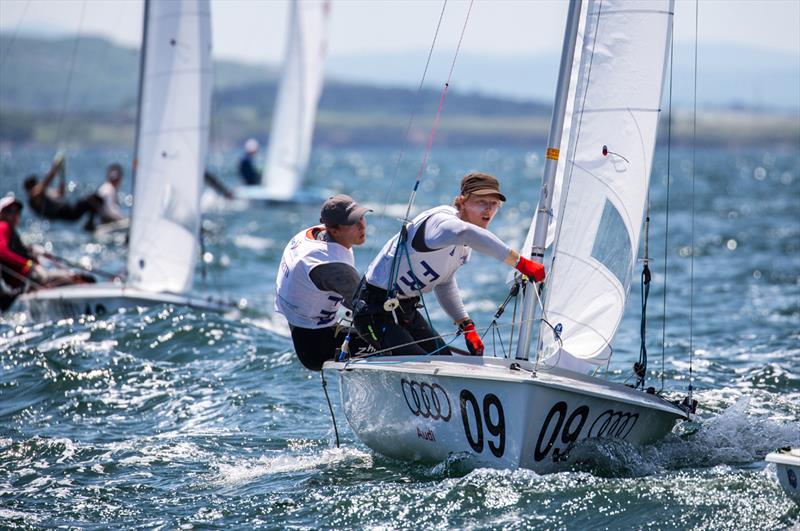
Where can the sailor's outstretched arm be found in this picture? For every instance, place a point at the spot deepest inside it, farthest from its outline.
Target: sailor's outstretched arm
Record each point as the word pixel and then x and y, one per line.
pixel 442 231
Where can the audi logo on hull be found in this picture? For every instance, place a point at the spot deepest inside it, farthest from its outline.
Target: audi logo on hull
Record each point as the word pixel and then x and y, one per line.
pixel 612 423
pixel 429 401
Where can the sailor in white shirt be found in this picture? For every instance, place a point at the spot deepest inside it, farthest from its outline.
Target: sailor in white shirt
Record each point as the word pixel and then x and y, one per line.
pixel 317 275
pixel 438 242
pixel 107 193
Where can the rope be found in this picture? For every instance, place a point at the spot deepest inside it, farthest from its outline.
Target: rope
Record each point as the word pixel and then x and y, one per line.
pixel 24 279
pixel 417 101
pixel 666 215
pixel 694 159
pixel 330 408
pixel 74 265
pixel 436 120
pixel 70 72
pixel 401 241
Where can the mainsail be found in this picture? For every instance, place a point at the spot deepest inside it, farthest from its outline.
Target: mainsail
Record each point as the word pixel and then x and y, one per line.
pixel 606 170
pixel 172 141
pixel 298 96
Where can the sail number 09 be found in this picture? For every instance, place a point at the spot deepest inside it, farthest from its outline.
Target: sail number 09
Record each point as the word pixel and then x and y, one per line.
pixel 492 417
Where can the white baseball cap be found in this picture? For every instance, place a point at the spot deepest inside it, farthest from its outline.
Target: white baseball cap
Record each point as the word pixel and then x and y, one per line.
pixel 7 201
pixel 251 146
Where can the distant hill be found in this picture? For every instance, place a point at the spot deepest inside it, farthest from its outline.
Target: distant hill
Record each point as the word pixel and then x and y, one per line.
pixel 94 100
pixel 728 75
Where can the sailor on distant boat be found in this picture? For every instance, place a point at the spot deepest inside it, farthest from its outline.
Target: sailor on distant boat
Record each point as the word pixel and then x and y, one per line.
pixel 52 203
pixel 247 168
pixel 316 276
pixel 19 263
pixel 438 242
pixel 107 193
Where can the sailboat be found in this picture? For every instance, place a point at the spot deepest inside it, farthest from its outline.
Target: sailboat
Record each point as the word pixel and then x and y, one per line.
pixel 295 109
pixel 531 408
pixel 171 142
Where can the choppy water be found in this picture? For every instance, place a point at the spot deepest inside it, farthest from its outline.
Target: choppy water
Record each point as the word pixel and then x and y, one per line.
pixel 167 417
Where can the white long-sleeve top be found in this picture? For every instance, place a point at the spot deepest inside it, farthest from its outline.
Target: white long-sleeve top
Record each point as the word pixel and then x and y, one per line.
pixel 438 244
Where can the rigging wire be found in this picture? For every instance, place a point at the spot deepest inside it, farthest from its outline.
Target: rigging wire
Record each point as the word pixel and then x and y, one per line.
pixel 694 160
pixel 15 34
pixel 330 408
pixel 391 291
pixel 70 72
pixel 436 120
pixel 414 111
pixel 666 214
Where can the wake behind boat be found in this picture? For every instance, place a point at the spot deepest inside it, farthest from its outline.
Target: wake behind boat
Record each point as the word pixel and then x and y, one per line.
pixel 512 412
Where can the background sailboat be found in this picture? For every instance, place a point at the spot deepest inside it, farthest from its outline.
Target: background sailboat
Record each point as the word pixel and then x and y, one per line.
pixel 295 110
pixel 171 143
pixel 521 413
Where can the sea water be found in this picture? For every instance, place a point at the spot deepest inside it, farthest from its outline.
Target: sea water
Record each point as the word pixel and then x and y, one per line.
pixel 166 417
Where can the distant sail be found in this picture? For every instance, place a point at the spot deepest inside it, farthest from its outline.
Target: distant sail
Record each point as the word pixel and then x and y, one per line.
pixel 606 175
pixel 297 99
pixel 173 138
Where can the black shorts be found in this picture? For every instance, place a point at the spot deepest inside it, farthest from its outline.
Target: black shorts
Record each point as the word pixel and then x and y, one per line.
pixel 411 335
pixel 315 346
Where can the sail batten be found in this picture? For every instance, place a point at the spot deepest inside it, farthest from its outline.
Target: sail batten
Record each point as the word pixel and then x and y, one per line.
pixel 605 175
pixel 296 102
pixel 171 146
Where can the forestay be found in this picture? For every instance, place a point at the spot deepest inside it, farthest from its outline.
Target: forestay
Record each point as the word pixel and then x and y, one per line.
pixel 607 162
pixel 298 95
pixel 559 178
pixel 173 137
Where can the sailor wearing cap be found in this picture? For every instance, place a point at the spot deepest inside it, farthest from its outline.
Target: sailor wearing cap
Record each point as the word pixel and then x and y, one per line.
pixel 317 275
pixel 16 260
pixel 247 168
pixel 19 263
pixel 437 243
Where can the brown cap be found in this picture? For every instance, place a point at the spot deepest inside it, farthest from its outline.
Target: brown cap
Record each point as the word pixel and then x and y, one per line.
pixel 341 209
pixel 477 183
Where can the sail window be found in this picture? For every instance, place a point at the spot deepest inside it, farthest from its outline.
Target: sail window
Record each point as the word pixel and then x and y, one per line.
pixel 612 244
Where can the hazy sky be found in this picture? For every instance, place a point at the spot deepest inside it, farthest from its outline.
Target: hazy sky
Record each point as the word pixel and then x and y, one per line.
pixel 252 30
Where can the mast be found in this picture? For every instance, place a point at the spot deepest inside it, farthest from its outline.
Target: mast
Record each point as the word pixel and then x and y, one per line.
pixel 142 63
pixel 543 211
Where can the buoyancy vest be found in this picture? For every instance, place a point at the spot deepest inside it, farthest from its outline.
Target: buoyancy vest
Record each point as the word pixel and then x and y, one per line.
pixel 297 298
pixel 429 267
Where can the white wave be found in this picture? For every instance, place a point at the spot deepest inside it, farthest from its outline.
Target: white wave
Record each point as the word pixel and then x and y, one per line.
pixel 248 470
pixel 73 340
pixel 6 342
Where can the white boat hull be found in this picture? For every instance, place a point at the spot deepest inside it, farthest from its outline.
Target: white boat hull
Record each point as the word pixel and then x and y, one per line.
pixel 787 465
pixel 103 299
pixel 428 409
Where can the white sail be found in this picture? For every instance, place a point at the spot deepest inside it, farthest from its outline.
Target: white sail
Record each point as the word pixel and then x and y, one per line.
pixel 606 174
pixel 297 99
pixel 172 142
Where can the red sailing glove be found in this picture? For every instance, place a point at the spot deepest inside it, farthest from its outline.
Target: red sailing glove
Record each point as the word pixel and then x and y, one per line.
pixel 474 343
pixel 530 269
